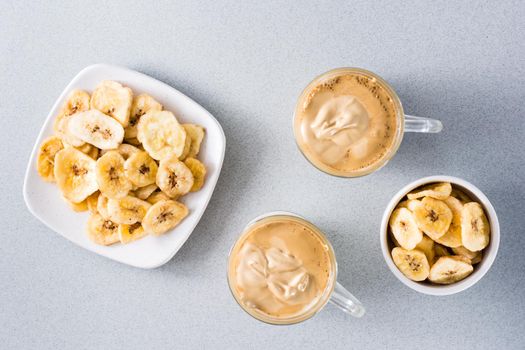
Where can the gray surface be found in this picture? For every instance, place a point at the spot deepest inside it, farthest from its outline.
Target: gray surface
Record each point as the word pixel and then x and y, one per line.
pixel 246 63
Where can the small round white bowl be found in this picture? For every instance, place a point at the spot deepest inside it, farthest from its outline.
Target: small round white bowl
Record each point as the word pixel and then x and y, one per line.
pixel 489 253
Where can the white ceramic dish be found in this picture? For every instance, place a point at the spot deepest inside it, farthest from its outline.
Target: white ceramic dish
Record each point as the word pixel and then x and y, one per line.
pixel 489 253
pixel 44 199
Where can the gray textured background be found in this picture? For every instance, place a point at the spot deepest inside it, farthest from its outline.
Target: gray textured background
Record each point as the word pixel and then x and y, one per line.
pixel 246 63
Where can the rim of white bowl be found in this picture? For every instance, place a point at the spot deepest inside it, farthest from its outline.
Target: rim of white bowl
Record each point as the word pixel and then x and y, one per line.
pixel 489 253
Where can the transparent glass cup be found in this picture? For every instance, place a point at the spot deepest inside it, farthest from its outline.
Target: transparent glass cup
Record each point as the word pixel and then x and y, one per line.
pixel 334 292
pixel 405 123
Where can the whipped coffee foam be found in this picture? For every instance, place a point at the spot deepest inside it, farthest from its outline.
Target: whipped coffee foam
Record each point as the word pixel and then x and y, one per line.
pixel 347 123
pixel 279 269
pixel 263 274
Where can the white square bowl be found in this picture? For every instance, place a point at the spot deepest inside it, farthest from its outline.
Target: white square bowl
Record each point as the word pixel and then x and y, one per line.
pixel 45 202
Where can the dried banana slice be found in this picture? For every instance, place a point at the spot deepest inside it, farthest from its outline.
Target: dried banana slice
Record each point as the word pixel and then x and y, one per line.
pixel 196 133
pixel 102 231
pixel 453 236
pixel 142 104
pixel 199 173
pixel 93 153
pixel 449 269
pixel 97 129
pixel 127 150
pixel 77 101
pixel 477 259
pixel 78 207
pixel 438 191
pixel 173 177
pixel 412 263
pixel 130 233
pixel 462 196
pixel 127 210
pixel 92 202
pixel 102 206
pixel 45 161
pixel 163 216
pixel 157 197
pixel 405 229
pixel 410 204
pixel 427 247
pixel 141 169
pixel 144 192
pixel 114 100
pixel 474 257
pixel 440 250
pixel 187 147
pixel 475 228
pixel 86 148
pixel 134 141
pixel 75 174
pixel 111 176
pixel 394 240
pixel 433 217
pixel 161 134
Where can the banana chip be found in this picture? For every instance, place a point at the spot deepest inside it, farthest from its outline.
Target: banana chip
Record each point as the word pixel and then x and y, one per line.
pixel 130 233
pixel 157 197
pixel 97 129
pixel 78 207
pixel 449 269
pixel 163 216
pixel 77 101
pixel 173 177
pixel 141 105
pixel 92 202
pixel 427 247
pixel 433 217
pixel 405 229
pixel 475 227
pixel 474 257
pixel 111 176
pixel 134 141
pixel 144 192
pixel 45 161
pixel 113 99
pixel 127 210
pixel 75 174
pixel 412 263
pixel 452 238
pixel 102 206
pixel 187 147
pixel 161 134
pixel 437 191
pixel 199 172
pixel 141 169
pixel 102 231
pixel 196 134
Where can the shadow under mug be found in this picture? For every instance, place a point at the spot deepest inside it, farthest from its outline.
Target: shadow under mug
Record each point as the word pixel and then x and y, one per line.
pixel 405 123
pixel 334 292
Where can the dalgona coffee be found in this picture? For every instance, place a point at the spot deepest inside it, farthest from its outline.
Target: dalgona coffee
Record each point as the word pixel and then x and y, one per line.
pixel 281 268
pixel 346 122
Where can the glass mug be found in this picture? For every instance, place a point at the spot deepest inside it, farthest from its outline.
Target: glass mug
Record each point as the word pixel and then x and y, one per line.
pixel 334 292
pixel 404 123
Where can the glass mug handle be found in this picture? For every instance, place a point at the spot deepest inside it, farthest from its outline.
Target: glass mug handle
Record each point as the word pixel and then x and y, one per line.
pixel 419 124
pixel 345 301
